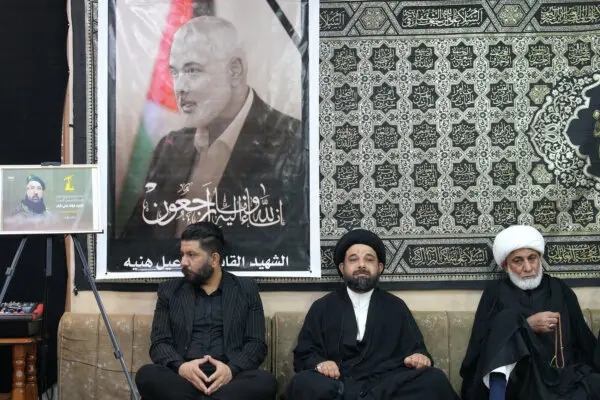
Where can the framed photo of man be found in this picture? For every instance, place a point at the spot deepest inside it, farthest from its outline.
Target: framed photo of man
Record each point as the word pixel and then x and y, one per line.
pixel 208 111
pixel 49 199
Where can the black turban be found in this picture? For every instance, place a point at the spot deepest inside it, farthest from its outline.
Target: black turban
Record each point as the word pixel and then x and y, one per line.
pixel 358 236
pixel 36 179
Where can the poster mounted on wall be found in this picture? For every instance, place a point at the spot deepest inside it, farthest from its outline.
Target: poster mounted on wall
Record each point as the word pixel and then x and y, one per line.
pixel 207 111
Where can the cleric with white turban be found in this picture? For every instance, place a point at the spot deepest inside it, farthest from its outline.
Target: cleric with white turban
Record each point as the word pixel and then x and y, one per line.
pixel 514 350
pixel 517 237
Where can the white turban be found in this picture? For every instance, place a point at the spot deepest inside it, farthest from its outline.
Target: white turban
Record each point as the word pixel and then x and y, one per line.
pixel 517 237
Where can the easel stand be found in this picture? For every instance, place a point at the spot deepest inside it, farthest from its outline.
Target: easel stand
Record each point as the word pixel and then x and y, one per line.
pixel 87 272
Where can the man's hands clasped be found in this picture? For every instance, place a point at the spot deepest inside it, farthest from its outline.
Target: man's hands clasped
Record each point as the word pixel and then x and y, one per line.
pixel 206 384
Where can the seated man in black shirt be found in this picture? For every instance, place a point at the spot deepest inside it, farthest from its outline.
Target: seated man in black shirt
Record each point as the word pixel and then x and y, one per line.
pixel 208 332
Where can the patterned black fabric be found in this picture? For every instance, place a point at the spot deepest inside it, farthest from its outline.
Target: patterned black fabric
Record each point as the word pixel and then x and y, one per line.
pixel 444 121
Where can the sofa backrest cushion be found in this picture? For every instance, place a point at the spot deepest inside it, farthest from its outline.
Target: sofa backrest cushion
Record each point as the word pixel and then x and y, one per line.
pixel 87 368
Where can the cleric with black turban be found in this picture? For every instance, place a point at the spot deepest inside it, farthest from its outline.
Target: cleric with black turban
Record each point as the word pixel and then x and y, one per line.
pixel 361 342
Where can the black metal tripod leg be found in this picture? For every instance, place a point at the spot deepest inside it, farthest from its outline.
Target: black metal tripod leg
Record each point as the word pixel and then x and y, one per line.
pixel 11 270
pixel 48 255
pixel 118 354
pixel 44 343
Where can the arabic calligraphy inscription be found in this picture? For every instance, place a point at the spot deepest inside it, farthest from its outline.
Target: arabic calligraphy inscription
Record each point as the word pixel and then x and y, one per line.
pixel 345 60
pixel 463 135
pixel 385 136
pixel 386 176
pixel 504 212
pixel 425 175
pixel 384 59
pixel 503 134
pixel 464 174
pixel 544 212
pixel 427 214
pixel 504 173
pixel 424 135
pixel 500 56
pixel 387 215
pixel 348 215
pixel 384 98
pixel 347 176
pixel 461 57
pixel 346 137
pixel 345 98
pixel 422 58
pixel 423 97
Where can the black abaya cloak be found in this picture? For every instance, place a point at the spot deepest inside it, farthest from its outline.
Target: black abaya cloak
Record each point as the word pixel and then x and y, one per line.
pixel 501 336
pixel 372 368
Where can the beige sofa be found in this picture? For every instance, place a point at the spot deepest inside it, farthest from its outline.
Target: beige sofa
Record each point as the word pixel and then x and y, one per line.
pixel 89 370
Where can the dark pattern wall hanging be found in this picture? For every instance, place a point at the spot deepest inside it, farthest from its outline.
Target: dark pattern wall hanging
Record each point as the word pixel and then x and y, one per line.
pixel 443 122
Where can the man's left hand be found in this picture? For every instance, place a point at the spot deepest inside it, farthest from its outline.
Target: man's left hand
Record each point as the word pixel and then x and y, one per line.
pixel 220 377
pixel 417 361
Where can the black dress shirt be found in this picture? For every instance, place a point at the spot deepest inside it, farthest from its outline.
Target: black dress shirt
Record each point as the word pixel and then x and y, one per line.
pixel 207 331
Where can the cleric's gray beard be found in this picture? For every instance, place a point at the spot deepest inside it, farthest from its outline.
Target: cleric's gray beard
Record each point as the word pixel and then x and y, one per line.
pixel 525 284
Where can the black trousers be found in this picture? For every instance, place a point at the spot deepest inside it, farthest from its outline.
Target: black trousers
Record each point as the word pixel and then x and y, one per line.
pixel 424 384
pixel 156 382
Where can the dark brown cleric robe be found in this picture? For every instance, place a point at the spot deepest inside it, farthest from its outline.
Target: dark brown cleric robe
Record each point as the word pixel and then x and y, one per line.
pixel 501 335
pixel 372 368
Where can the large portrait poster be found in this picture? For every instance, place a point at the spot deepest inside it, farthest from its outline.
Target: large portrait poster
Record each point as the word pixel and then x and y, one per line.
pixel 207 111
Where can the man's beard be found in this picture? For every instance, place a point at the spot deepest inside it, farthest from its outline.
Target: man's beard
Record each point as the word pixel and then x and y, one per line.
pixel 36 207
pixel 361 284
pixel 525 284
pixel 200 277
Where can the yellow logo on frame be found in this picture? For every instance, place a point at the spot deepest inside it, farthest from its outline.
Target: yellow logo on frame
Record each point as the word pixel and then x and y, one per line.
pixel 68 183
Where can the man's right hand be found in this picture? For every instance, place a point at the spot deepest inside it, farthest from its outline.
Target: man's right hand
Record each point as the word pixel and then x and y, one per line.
pixel 328 368
pixel 543 322
pixel 191 371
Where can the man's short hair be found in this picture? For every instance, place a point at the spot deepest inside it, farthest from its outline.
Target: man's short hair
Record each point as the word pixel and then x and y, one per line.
pixel 209 236
pixel 223 37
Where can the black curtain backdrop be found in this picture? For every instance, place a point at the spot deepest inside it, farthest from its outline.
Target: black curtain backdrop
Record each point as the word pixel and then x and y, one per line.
pixel 33 82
